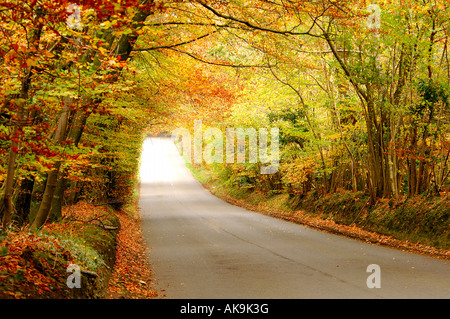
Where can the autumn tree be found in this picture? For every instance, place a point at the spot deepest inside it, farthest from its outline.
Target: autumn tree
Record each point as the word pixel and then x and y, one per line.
pixel 47 56
pixel 397 74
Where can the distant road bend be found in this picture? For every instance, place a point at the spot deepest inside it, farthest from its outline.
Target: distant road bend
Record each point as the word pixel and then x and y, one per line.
pixel 202 247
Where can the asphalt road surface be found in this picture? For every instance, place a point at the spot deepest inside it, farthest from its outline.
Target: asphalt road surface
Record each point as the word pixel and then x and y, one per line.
pixel 202 247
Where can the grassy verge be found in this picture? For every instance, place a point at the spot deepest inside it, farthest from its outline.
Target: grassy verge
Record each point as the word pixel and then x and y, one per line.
pixel 418 224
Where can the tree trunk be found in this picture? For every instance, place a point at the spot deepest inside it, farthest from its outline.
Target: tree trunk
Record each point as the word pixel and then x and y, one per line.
pixel 13 149
pixel 74 134
pixel 52 177
pixel 21 102
pixel 36 197
pixel 374 150
pixel 412 171
pixel 23 200
pixel 45 206
pixel 58 197
pixel 7 197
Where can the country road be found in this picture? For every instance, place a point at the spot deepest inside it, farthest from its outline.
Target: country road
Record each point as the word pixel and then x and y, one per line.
pixel 202 247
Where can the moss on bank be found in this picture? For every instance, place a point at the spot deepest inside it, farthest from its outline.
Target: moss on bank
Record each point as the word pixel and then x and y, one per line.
pixel 419 219
pixel 35 265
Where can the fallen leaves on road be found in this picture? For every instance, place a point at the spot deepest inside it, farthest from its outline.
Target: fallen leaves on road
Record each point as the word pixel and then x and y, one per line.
pixel 131 278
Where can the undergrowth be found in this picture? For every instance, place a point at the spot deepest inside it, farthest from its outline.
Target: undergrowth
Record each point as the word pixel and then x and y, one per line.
pixel 34 265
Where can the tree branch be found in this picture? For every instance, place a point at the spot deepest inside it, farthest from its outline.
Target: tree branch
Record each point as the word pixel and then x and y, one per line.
pixel 256 27
pixel 177 44
pixel 347 72
pixel 219 63
pixel 203 24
